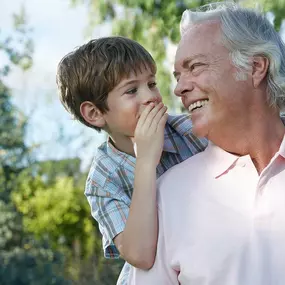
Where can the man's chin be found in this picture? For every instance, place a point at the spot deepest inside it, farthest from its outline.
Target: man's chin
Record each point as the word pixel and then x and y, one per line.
pixel 200 131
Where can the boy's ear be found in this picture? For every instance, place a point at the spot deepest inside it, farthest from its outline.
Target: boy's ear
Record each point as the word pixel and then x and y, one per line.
pixel 260 66
pixel 92 114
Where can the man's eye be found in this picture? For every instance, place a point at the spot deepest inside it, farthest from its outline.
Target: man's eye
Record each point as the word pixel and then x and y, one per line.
pixel 132 91
pixel 152 84
pixel 195 65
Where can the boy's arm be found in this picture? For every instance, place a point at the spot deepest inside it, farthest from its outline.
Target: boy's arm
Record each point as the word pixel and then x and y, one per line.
pixel 162 271
pixel 137 243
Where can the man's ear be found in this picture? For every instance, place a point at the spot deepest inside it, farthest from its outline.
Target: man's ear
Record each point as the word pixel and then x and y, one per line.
pixel 260 66
pixel 92 114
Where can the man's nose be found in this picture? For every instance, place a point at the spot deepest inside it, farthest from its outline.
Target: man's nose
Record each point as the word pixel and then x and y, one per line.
pixel 183 86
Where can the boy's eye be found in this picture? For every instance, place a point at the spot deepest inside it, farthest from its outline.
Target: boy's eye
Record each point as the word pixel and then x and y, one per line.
pixel 152 84
pixel 131 91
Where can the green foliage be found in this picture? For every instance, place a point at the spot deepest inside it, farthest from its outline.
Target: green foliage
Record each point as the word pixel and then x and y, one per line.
pixel 51 200
pixel 31 264
pixel 277 7
pixel 19 49
pixel 23 262
pixel 56 209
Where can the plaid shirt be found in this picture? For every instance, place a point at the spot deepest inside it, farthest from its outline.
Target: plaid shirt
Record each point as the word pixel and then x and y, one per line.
pixel 109 185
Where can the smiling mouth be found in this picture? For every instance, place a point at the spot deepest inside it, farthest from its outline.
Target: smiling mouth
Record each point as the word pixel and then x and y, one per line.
pixel 197 105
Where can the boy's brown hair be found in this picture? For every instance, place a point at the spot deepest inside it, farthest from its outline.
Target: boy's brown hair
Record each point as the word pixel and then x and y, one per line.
pixel 91 71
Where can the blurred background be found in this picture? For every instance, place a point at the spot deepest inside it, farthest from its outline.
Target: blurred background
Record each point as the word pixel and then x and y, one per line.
pixel 47 235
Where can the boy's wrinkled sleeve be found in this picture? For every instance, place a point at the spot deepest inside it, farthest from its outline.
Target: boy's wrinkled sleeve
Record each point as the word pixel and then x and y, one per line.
pixel 109 207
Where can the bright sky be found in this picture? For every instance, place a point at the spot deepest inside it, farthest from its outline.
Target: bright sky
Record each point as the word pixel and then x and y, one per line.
pixel 57 29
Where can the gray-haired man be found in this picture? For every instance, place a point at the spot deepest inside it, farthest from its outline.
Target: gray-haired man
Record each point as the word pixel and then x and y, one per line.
pixel 222 212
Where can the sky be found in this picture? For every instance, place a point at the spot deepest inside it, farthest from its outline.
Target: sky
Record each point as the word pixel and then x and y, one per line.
pixel 57 29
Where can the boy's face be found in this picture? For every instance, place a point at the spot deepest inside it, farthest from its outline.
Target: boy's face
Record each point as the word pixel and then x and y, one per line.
pixel 126 103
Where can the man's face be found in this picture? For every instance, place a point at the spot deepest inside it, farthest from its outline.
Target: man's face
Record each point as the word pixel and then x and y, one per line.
pixel 206 80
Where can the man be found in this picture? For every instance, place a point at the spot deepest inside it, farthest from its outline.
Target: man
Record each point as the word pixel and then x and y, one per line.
pixel 222 212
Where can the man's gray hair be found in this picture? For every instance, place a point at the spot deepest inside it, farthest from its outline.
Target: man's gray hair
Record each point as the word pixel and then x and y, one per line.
pixel 246 33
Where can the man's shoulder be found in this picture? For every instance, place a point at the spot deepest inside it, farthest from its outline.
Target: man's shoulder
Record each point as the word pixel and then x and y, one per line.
pixel 188 170
pixel 190 163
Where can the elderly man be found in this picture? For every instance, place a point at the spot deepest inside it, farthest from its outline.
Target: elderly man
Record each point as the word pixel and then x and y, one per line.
pixel 222 212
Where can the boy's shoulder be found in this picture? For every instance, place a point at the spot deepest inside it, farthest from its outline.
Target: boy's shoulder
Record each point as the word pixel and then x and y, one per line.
pixel 179 121
pixel 179 127
pixel 180 124
pixel 107 166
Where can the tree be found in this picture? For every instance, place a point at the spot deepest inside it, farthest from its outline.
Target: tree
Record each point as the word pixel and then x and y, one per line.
pixel 277 7
pixel 53 206
pixel 23 261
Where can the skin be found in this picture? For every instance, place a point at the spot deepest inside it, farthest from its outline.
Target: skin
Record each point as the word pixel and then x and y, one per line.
pixel 237 116
pixel 137 117
pixel 126 103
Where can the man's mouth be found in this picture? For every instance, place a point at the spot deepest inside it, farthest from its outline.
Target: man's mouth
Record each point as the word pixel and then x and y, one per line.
pixel 197 105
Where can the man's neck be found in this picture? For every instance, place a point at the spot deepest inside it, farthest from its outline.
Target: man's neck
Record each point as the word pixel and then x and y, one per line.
pixel 260 138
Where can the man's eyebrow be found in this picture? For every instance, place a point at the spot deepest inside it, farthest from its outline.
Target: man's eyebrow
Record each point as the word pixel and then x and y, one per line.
pixel 187 61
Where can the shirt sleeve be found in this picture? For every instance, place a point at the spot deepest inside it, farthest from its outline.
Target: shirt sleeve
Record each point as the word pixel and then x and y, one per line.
pixel 109 207
pixel 161 272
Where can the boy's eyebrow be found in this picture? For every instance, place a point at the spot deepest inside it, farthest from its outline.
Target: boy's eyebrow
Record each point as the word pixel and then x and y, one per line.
pixel 129 82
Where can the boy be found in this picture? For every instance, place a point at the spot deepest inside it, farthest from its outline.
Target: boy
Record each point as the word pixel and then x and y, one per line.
pixel 109 84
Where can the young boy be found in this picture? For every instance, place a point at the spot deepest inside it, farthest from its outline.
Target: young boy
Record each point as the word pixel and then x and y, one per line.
pixel 109 84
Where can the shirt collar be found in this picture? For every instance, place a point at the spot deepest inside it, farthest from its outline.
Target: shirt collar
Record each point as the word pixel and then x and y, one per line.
pixel 221 160
pixel 118 155
pixel 170 140
pixel 282 148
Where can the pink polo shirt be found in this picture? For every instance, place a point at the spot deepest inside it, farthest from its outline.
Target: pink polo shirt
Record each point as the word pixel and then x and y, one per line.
pixel 220 223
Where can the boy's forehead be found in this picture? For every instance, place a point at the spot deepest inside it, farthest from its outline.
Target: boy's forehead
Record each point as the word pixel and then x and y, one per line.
pixel 138 72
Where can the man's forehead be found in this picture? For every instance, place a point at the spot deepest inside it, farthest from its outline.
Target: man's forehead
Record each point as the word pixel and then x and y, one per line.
pixel 198 39
pixel 202 31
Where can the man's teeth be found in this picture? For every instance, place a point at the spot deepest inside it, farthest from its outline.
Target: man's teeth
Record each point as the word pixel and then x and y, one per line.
pixel 197 104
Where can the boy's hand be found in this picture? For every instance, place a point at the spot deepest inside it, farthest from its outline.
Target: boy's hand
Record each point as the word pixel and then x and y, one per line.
pixel 149 133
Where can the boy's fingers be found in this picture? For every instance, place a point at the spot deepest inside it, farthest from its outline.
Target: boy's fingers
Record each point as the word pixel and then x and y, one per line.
pixel 155 121
pixel 159 115
pixel 144 114
pixel 152 114
pixel 162 122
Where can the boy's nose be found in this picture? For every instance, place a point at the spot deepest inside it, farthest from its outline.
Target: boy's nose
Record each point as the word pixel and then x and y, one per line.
pixel 152 98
